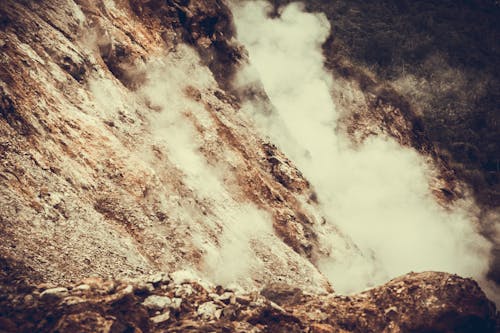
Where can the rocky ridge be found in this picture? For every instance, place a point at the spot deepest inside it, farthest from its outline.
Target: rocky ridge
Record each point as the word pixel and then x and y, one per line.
pixel 181 303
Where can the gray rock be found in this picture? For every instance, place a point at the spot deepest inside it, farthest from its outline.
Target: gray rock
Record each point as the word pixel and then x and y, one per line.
pixel 176 303
pixel 209 311
pixel 54 293
pixel 155 302
pixel 160 318
pixel 158 278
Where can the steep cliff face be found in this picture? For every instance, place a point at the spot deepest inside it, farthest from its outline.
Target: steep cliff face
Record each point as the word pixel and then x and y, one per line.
pixel 124 152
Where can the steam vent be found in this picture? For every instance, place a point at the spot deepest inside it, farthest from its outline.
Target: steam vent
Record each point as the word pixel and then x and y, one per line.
pixel 325 166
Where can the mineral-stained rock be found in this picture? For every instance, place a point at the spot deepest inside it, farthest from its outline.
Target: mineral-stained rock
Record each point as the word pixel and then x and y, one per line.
pixel 417 302
pixel 88 182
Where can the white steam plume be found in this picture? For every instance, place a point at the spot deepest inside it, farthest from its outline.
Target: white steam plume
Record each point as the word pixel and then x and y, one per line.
pixel 377 194
pixel 204 211
pixel 232 259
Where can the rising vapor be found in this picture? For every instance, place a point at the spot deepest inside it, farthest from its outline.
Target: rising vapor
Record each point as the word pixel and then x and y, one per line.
pixel 378 194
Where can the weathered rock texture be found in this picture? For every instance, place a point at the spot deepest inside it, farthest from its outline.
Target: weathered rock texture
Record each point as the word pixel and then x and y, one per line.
pixel 122 153
pixel 90 179
pixel 425 302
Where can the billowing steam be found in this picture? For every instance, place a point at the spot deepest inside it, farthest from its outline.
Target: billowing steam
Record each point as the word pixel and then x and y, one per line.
pixel 378 193
pixel 233 258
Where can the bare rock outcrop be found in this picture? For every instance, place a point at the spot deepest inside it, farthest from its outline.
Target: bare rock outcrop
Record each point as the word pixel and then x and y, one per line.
pixel 417 302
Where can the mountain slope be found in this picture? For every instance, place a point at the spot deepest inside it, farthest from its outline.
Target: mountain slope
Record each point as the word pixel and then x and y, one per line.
pixel 121 155
pixel 125 151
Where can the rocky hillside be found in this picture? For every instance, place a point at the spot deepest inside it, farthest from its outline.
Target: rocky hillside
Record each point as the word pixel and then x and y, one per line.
pixel 121 154
pixel 124 153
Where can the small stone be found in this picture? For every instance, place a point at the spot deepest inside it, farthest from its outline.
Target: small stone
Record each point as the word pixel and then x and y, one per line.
pixel 227 297
pixel 72 300
pixel 276 307
pixel 28 299
pixel 282 293
pixel 229 312
pixel 391 312
pixel 209 311
pixel 176 303
pixel 391 309
pixel 160 318
pixel 244 300
pixel 82 287
pixel 143 287
pixel 155 302
pixel 54 293
pixel 157 278
pixel 127 290
pixel 204 42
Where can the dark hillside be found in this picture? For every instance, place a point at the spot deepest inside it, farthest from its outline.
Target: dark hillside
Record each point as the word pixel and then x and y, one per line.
pixel 444 58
